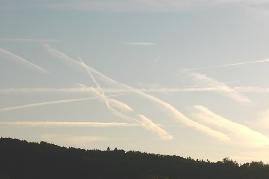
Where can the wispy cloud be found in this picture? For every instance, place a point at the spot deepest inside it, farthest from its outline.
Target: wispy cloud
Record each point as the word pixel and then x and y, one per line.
pixel 150 125
pixel 67 124
pixel 228 65
pixel 99 92
pixel 87 89
pixel 118 108
pixel 110 102
pixel 123 110
pixel 30 40
pixel 221 87
pixel 236 131
pixel 124 91
pixel 22 60
pixel 171 110
pixel 46 103
pixel 141 43
pixel 120 105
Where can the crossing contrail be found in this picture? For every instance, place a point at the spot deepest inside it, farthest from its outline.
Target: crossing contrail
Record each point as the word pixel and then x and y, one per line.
pixel 171 110
pixel 23 60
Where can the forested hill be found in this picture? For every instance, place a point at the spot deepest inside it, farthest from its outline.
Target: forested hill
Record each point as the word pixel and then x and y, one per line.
pixel 24 160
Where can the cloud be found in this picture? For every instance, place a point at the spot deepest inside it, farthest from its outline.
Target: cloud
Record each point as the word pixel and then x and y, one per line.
pixel 228 65
pixel 124 91
pixel 148 124
pixel 239 133
pixel 113 103
pixel 168 108
pixel 172 111
pixel 118 108
pixel 29 40
pixel 221 87
pixel 99 92
pixel 46 103
pixel 23 60
pixel 123 110
pixel 141 43
pixel 66 124
pixel 120 105
pixel 164 105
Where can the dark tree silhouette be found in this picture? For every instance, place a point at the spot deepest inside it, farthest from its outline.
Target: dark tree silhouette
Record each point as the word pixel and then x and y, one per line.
pixel 25 160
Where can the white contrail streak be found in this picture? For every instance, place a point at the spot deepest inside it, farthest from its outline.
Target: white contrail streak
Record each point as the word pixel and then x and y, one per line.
pixel 229 65
pixel 150 125
pixel 83 65
pixel 169 108
pixel 238 132
pixel 66 124
pixel 166 106
pixel 23 60
pixel 110 103
pixel 221 87
pixel 115 106
pixel 46 103
pixel 85 89
pixel 29 40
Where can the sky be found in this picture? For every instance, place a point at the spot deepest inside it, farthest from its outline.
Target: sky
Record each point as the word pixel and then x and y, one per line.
pixel 176 77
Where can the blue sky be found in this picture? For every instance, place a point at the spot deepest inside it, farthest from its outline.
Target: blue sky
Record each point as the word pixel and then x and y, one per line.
pixel 171 77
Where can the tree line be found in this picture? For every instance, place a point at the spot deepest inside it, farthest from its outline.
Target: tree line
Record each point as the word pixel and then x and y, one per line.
pixel 27 160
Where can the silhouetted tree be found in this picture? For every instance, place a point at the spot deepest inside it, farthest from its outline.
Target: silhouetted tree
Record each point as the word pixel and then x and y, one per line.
pixel 24 160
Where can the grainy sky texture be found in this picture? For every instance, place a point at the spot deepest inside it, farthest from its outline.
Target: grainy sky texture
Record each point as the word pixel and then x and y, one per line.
pixel 180 77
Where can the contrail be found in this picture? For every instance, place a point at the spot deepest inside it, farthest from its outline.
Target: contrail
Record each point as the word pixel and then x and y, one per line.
pixel 117 107
pixel 67 124
pixel 221 87
pixel 82 64
pixel 110 103
pixel 46 103
pixel 237 131
pixel 29 40
pixel 150 125
pixel 228 65
pixel 23 60
pixel 166 106
pixel 87 89
pixel 100 93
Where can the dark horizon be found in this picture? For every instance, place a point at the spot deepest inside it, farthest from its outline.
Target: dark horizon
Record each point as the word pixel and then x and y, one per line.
pixel 23 160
